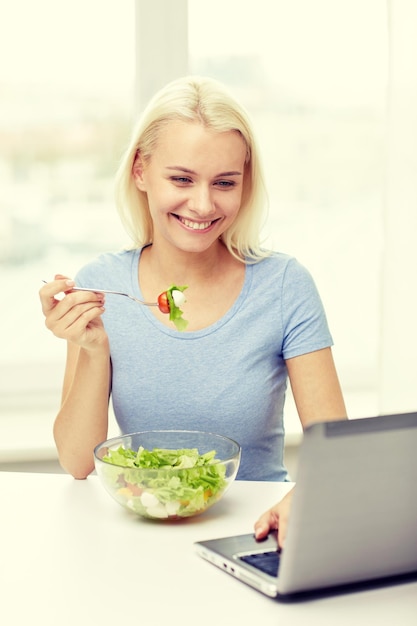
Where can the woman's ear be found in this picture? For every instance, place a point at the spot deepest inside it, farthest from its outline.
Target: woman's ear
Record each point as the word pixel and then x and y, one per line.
pixel 137 172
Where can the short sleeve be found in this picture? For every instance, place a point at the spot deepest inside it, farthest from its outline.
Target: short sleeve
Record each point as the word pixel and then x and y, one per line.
pixel 304 320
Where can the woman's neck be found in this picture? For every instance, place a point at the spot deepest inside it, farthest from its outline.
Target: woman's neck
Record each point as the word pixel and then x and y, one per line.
pixel 175 266
pixel 213 279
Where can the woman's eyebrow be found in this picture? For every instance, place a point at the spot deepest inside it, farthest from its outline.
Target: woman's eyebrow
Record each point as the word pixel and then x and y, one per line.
pixel 180 168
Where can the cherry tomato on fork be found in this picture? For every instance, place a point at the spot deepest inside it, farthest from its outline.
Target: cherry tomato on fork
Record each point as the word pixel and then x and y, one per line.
pixel 163 303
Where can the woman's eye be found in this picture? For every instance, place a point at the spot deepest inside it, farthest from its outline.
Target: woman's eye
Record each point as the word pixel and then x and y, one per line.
pixel 183 180
pixel 225 183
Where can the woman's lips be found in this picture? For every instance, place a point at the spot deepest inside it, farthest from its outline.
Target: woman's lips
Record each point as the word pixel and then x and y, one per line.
pixel 195 225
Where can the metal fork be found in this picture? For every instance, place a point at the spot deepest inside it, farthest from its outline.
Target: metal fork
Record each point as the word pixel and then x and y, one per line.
pixel 116 293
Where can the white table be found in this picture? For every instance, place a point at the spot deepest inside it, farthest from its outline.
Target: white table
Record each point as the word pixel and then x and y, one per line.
pixel 70 555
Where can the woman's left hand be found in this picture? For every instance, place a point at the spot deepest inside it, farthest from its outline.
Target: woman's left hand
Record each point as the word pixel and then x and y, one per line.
pixel 275 518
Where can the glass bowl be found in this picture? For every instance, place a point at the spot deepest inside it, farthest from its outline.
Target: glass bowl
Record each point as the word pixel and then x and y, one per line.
pixel 167 474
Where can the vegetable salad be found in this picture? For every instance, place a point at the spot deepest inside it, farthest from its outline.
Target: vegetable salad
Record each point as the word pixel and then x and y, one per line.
pixel 162 483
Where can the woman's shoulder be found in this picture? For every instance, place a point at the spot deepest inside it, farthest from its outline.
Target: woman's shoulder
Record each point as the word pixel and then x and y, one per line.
pixel 281 271
pixel 107 265
pixel 278 263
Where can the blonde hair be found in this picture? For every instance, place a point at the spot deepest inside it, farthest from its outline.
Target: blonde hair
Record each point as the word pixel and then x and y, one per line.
pixel 203 100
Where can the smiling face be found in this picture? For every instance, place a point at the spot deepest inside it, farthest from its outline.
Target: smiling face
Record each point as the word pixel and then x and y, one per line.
pixel 194 184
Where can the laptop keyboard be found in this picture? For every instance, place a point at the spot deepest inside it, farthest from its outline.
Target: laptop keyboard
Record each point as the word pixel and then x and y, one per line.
pixel 267 562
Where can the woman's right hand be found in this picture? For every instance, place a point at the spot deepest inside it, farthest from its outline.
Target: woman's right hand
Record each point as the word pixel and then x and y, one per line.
pixel 77 316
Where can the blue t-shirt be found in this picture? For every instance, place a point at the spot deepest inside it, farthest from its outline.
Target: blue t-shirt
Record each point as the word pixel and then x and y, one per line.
pixel 229 378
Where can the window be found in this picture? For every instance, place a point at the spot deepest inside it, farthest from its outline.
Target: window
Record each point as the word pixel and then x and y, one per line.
pixel 67 93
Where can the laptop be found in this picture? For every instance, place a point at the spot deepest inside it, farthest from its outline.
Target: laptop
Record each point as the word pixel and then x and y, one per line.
pixel 353 518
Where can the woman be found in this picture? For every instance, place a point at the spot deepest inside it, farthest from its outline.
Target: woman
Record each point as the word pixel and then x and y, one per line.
pixel 190 193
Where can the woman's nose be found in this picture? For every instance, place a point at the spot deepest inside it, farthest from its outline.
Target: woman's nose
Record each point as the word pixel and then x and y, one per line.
pixel 202 202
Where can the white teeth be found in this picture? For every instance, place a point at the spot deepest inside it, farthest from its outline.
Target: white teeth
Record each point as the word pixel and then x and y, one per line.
pixel 195 225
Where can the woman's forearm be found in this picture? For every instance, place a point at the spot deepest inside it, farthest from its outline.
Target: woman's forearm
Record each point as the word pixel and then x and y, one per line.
pixel 82 421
